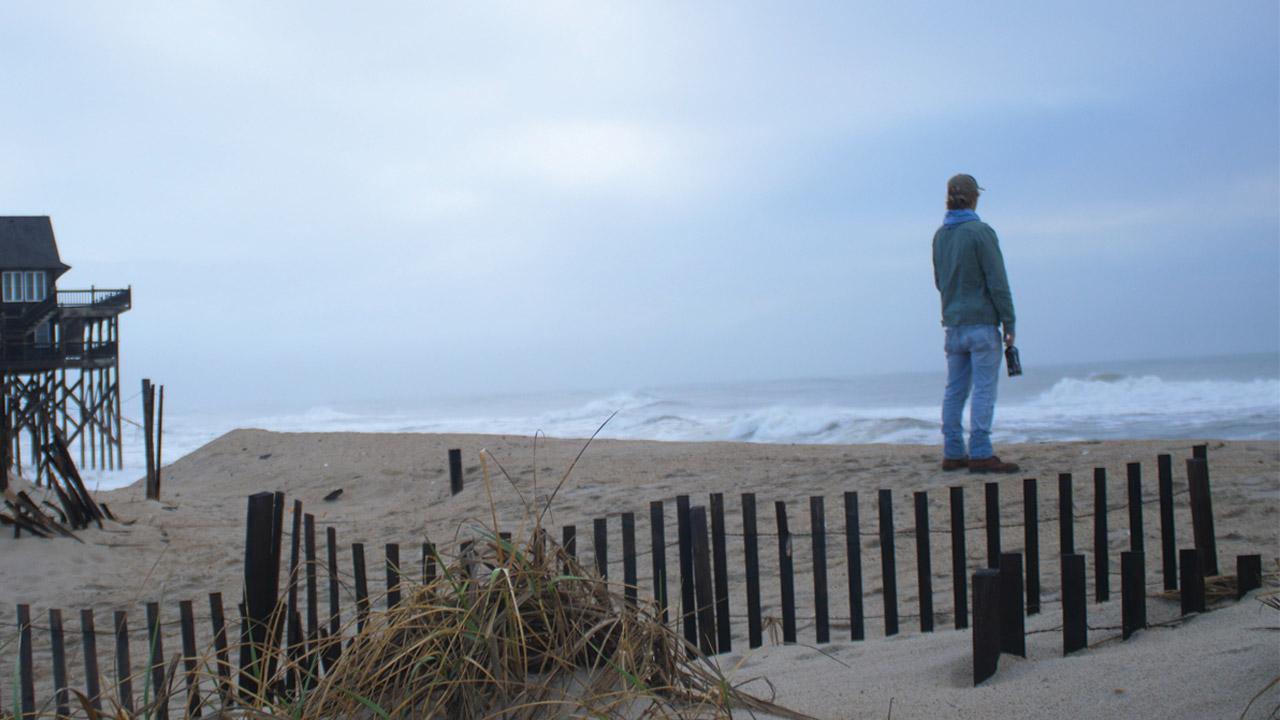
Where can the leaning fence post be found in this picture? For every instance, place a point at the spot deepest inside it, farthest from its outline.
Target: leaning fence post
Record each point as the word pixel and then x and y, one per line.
pixel 751 561
pixel 888 571
pixel 1031 535
pixel 853 555
pixel 924 568
pixel 1013 637
pixel 1202 513
pixel 1075 626
pixel 1133 593
pixel 1101 554
pixel 986 623
pixel 959 572
pixel 1168 550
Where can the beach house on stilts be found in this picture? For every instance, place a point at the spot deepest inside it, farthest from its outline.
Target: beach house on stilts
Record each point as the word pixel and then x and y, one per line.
pixel 59 353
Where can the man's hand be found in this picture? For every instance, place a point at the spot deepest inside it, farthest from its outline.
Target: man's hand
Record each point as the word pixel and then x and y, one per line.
pixel 1008 339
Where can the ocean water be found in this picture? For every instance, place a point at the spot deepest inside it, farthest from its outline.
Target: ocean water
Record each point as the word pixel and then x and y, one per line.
pixel 1233 397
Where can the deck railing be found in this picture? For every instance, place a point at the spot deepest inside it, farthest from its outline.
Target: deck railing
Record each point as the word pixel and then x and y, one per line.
pixel 94 296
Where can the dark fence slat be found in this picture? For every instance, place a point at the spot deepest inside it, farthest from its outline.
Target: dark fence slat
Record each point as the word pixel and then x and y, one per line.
pixel 658 548
pixel 720 573
pixel 335 612
pixel 1202 513
pixel 89 645
pixel 222 654
pixel 986 623
pixel 687 600
pixel 393 574
pixel 1133 593
pixel 959 560
pixel 1031 540
pixel 786 574
pixel 1248 574
pixel 888 565
pixel 1075 626
pixel 57 648
pixel 124 670
pixel 1101 549
pixel 818 538
pixel 1168 547
pixel 993 524
pixel 1191 565
pixel 924 567
pixel 630 573
pixel 26 669
pixel 569 540
pixel 309 552
pixel 1134 477
pixel 751 561
pixel 703 590
pixel 1013 636
pixel 853 558
pixel 455 471
pixel 362 585
pixel 600 527
pixel 1066 516
pixel 190 660
pixel 294 635
pixel 155 643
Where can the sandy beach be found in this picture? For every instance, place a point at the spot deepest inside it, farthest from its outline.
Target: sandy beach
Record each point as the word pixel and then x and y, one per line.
pixel 395 488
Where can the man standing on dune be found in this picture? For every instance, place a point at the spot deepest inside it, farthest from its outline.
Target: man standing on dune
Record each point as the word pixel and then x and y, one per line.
pixel 968 270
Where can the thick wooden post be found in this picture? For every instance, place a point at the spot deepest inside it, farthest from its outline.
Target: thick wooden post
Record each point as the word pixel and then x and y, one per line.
pixel 658 543
pixel 888 569
pixel 1202 513
pixel 993 524
pixel 1190 563
pixel 1013 636
pixel 1031 535
pixel 1101 550
pixel 1066 516
pixel 1248 574
pixel 703 590
pixel 455 471
pixel 1168 549
pixel 1133 593
pixel 720 573
pixel 924 567
pixel 786 576
pixel 853 556
pixel 261 587
pixel 959 560
pixel 986 623
pixel 751 561
pixel 1075 626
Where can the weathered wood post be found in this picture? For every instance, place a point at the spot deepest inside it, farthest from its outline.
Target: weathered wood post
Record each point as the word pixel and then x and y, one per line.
pixel 751 562
pixel 1133 593
pixel 1013 636
pixel 1031 536
pixel 720 570
pixel 261 588
pixel 986 623
pixel 124 670
pixel 1101 553
pixel 155 642
pixel 818 545
pixel 703 590
pixel 658 543
pixel 1190 562
pixel 455 471
pixel 786 575
pixel 924 567
pixel 853 556
pixel 888 564
pixel 148 429
pixel 1248 574
pixel 993 524
pixel 959 560
pixel 61 696
pixel 190 660
pixel 1168 550
pixel 1202 513
pixel 89 644
pixel 1075 626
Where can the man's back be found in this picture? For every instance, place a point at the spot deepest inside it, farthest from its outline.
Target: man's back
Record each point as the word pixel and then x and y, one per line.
pixel 968 270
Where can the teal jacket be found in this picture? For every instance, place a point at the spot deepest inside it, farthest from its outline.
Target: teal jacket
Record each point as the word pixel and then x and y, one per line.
pixel 968 270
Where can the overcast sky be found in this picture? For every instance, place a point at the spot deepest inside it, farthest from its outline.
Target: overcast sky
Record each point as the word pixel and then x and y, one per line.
pixel 322 202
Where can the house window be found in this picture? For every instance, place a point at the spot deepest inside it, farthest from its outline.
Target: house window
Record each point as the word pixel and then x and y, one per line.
pixel 25 286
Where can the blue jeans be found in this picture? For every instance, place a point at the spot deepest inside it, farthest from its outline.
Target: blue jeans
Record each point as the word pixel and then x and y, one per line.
pixel 973 362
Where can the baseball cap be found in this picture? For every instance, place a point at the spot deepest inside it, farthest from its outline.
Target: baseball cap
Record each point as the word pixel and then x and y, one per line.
pixel 963 184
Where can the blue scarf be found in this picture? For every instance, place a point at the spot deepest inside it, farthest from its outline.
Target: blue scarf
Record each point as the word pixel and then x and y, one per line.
pixel 955 217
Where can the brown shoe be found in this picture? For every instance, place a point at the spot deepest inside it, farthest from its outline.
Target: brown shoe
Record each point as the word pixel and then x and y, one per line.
pixel 992 464
pixel 950 464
